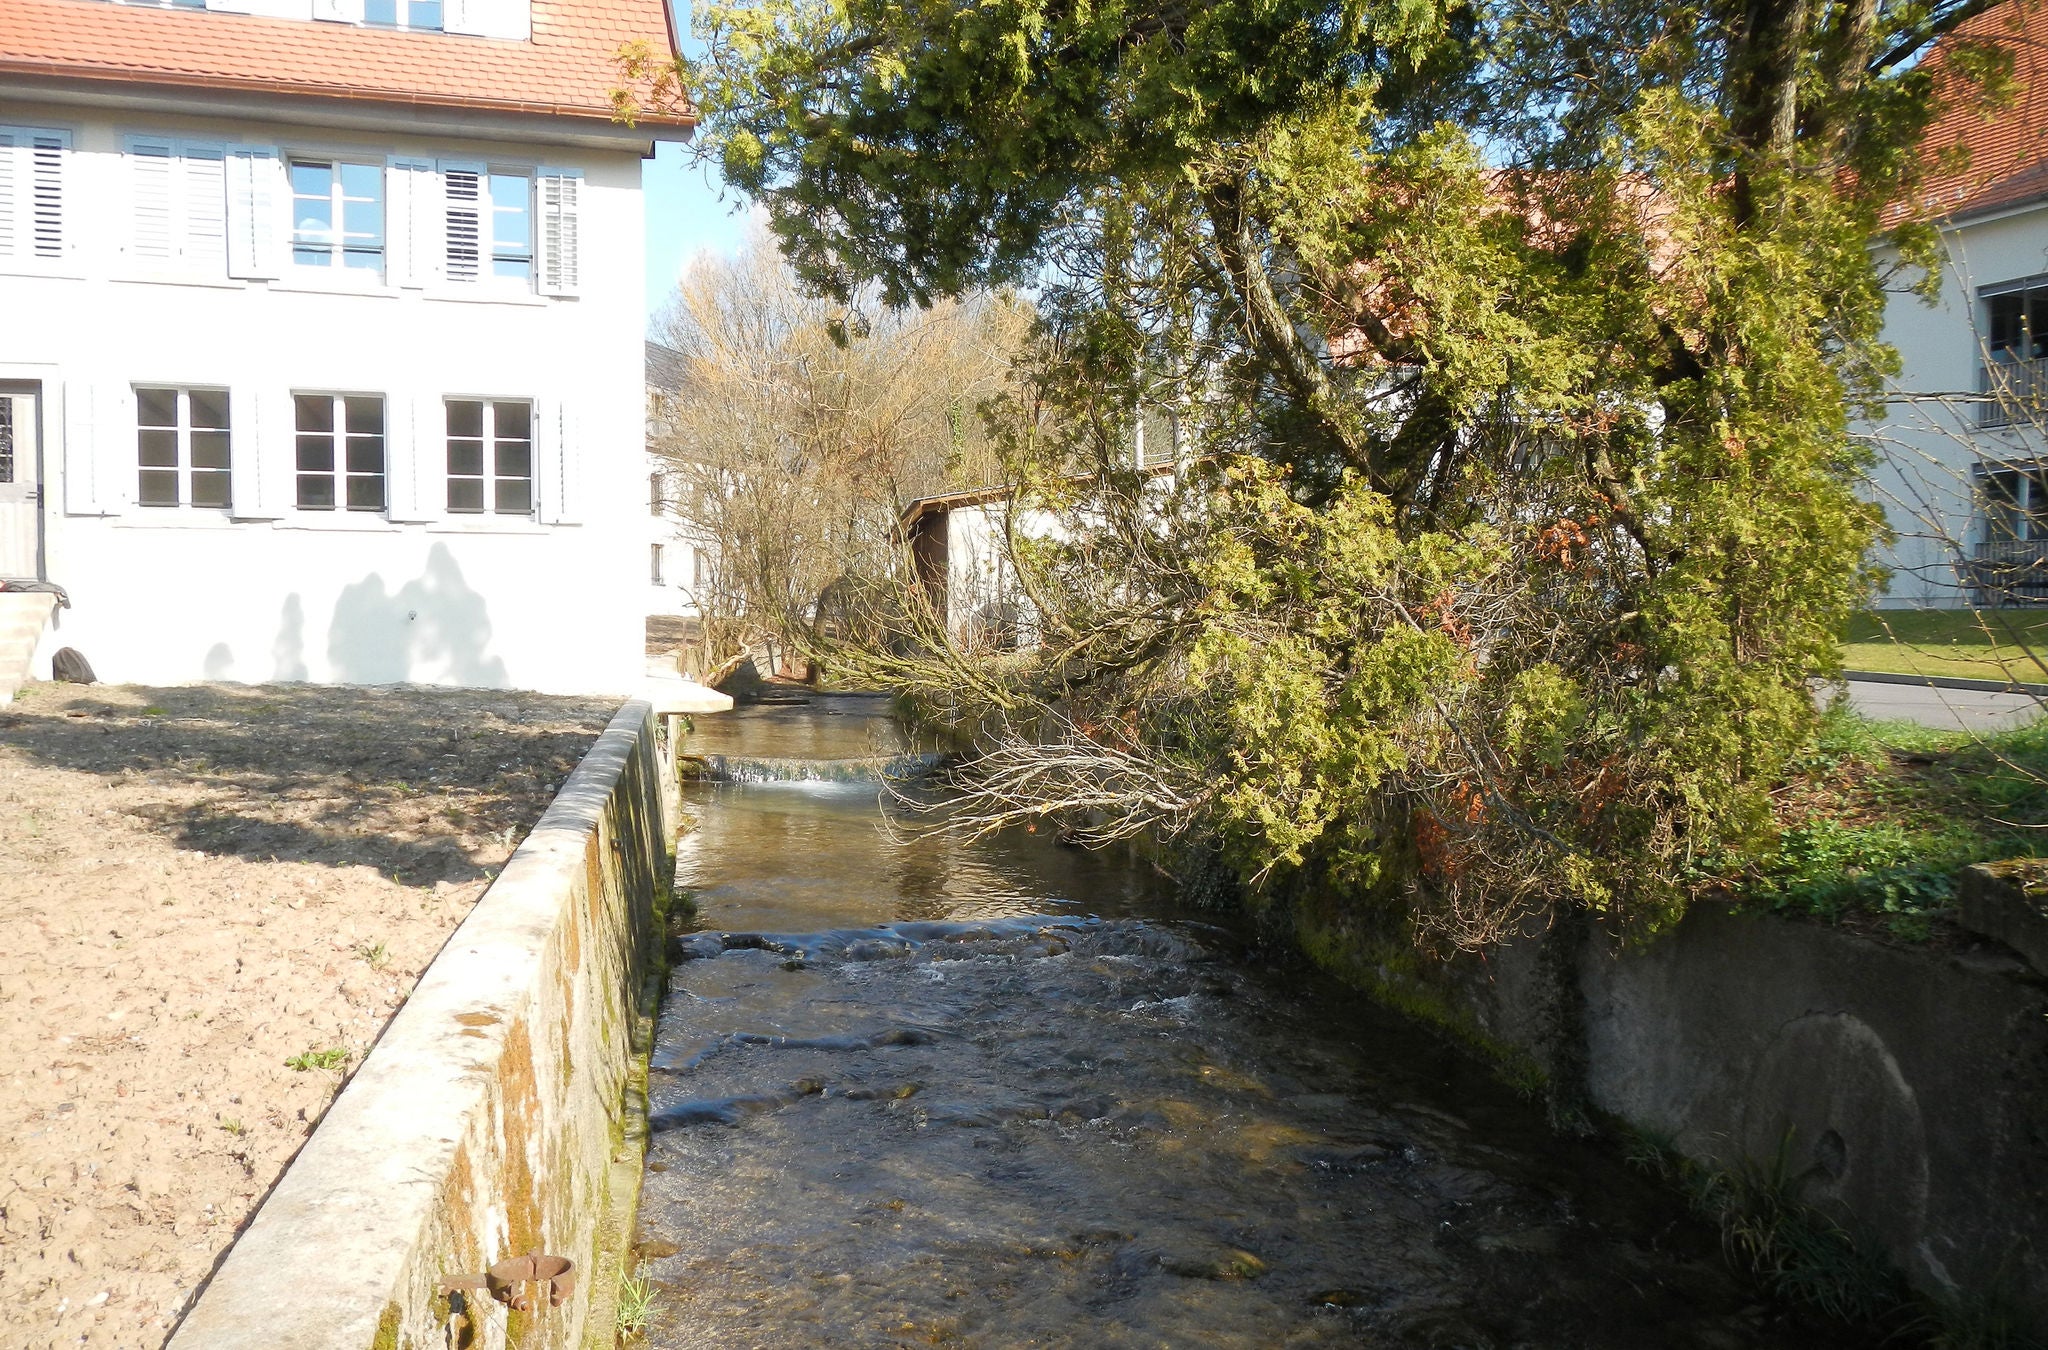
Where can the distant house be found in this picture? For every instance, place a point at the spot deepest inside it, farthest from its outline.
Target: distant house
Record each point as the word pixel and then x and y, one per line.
pixel 1964 473
pixel 319 360
pixel 679 553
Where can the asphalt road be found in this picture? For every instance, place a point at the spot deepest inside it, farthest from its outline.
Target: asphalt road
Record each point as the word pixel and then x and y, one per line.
pixel 1947 709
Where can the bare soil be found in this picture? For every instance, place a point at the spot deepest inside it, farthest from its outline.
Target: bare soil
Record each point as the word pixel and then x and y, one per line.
pixel 198 885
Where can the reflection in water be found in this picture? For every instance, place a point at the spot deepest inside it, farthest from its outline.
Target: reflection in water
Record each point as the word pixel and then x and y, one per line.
pixel 917 1093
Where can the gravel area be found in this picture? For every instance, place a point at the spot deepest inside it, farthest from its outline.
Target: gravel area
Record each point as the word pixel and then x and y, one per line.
pixel 212 900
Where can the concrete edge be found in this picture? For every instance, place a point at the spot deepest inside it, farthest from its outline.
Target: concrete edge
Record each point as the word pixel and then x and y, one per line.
pixel 327 1256
pixel 1945 682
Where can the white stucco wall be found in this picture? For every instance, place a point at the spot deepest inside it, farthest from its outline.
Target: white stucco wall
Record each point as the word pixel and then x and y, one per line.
pixel 178 595
pixel 1923 478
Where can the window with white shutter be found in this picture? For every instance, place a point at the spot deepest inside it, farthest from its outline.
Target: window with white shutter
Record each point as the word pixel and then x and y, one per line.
pixel 33 168
pixel 177 206
pixel 560 193
pixel 489 218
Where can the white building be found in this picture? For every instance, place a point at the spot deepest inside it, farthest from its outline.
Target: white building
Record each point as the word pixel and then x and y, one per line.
pixel 680 552
pixel 1963 473
pixel 319 337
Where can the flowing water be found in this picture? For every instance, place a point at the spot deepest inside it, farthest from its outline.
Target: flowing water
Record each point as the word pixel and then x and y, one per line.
pixel 914 1093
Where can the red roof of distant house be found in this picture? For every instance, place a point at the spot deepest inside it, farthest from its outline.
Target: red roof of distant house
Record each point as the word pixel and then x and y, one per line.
pixel 567 69
pixel 2008 147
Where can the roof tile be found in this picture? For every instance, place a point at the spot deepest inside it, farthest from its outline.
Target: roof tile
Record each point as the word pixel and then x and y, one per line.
pixel 568 68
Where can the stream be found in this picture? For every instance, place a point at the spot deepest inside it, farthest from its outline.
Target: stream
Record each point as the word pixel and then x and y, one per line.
pixel 910 1092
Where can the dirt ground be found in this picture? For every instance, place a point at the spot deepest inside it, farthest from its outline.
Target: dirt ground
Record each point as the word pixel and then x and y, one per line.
pixel 197 886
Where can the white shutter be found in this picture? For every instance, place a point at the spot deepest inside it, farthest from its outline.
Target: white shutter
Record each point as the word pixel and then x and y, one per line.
pixel 558 463
pixel 81 468
pixel 49 153
pixel 489 18
pixel 257 206
pixel 152 171
pixel 107 454
pixel 412 206
pixel 203 209
pixel 463 215
pixel 10 192
pixel 276 458
pixel 252 445
pixel 559 200
pixel 412 456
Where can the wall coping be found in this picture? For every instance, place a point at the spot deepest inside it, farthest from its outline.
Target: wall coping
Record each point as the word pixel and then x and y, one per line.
pixel 327 1252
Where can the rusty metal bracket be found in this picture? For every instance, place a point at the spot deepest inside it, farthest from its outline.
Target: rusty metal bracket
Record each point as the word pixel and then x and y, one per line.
pixel 509 1281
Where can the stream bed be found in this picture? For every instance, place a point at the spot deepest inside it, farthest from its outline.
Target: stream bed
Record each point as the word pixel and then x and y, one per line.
pixel 913 1092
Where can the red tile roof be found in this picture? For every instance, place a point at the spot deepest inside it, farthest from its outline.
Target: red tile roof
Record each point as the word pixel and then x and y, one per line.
pixel 567 69
pixel 2008 147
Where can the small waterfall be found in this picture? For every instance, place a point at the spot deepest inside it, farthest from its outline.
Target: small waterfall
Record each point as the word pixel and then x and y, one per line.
pixel 754 769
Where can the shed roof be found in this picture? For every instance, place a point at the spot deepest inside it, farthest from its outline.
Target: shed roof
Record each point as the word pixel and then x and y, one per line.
pixel 567 69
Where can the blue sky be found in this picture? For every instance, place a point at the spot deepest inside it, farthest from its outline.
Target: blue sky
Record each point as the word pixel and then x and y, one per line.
pixel 684 214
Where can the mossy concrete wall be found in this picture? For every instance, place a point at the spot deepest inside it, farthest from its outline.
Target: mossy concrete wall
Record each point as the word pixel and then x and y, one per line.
pixel 486 1121
pixel 1907 1088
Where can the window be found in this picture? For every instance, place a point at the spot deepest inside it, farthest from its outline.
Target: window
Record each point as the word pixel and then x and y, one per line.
pixel 654 494
pixel 341 451
pixel 2015 338
pixel 490 457
pixel 418 15
pixel 337 214
pixel 2015 502
pixel 489 225
pixel 654 565
pixel 181 447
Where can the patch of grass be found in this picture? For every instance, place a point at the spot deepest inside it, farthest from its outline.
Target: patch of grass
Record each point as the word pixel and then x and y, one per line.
pixel 234 1127
pixel 1876 818
pixel 334 1057
pixel 373 955
pixel 1988 644
pixel 637 1298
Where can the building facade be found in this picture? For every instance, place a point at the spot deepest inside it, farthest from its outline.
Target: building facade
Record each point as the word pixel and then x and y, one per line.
pixel 319 358
pixel 1962 466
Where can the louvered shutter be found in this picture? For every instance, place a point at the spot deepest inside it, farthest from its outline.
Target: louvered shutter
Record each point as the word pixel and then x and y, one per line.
pixel 10 191
pixel 49 153
pixel 412 207
pixel 257 208
pixel 558 471
pixel 152 193
pixel 463 216
pixel 203 209
pixel 559 200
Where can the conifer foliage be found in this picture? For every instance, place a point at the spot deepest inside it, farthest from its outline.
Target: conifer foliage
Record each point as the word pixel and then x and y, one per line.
pixel 1510 352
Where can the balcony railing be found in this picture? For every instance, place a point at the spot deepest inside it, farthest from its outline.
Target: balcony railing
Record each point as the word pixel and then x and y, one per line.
pixel 2010 571
pixel 2018 393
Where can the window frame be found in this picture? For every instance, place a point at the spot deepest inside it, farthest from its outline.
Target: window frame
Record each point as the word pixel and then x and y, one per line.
pixel 489 476
pixel 338 473
pixel 490 248
pixel 183 469
pixel 337 199
pixel 402 10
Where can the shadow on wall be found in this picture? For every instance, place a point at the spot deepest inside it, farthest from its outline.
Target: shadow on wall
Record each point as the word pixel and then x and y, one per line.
pixel 434 629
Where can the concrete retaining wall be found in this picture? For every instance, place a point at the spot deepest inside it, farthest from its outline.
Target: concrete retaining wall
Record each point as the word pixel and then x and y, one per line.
pixel 485 1122
pixel 1909 1088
